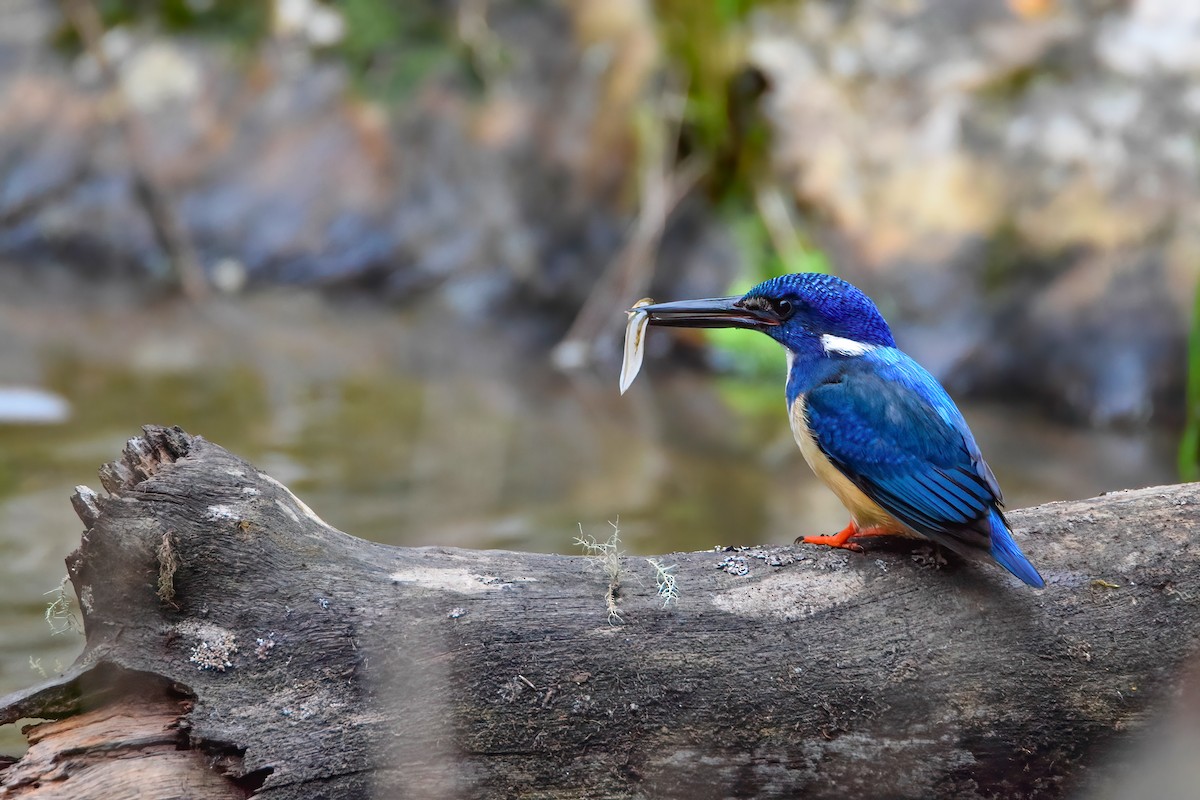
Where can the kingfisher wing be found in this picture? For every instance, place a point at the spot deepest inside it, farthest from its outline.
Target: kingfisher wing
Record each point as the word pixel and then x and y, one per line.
pixel 892 430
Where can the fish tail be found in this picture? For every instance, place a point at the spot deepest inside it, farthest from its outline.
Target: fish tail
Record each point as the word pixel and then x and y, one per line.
pixel 1008 554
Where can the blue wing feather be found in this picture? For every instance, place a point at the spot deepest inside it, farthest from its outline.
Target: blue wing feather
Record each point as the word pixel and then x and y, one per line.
pixel 890 428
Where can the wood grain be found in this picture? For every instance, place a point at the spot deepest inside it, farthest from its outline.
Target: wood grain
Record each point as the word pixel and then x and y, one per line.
pixel 307 663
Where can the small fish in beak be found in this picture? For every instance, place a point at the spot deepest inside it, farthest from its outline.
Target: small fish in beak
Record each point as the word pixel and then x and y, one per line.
pixel 714 312
pixel 635 342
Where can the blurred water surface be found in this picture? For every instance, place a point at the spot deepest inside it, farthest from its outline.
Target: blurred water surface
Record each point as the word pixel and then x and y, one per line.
pixel 396 427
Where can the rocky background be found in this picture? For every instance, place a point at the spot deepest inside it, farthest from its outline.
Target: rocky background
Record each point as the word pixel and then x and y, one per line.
pixel 1025 175
pixel 1016 183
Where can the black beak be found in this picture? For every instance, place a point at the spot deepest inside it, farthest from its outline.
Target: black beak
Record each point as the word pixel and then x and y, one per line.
pixel 714 312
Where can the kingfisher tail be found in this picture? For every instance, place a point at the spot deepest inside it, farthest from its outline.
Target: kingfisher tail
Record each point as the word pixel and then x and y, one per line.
pixel 1008 554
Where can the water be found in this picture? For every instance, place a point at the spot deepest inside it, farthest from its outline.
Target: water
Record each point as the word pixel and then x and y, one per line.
pixel 395 433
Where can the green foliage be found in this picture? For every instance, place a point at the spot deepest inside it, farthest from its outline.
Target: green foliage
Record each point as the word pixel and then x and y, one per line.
pixel 753 355
pixel 241 22
pixel 391 47
pixel 388 47
pixel 757 361
pixel 1189 447
pixel 704 43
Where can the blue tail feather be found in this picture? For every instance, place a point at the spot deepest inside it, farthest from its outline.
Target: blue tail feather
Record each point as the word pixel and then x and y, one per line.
pixel 1009 555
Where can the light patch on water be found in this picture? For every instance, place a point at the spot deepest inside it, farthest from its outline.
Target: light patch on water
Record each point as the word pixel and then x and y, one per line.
pixel 27 405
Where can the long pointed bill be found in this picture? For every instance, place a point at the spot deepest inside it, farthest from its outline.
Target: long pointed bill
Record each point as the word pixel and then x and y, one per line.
pixel 715 312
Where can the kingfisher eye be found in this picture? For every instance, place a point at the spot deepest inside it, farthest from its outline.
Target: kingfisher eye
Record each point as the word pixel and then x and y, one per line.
pixel 784 308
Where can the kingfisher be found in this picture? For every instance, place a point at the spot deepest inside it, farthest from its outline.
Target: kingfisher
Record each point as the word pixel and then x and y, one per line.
pixel 872 423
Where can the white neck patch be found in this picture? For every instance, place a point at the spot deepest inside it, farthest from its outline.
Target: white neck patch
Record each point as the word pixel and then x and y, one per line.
pixel 844 347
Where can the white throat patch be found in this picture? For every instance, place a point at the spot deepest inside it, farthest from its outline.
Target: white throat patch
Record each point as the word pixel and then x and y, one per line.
pixel 844 347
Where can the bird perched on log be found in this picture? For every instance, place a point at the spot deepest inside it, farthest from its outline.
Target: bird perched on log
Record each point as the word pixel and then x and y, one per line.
pixel 873 424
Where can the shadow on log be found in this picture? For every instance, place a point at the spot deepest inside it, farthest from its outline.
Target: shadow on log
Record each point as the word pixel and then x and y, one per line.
pixel 238 645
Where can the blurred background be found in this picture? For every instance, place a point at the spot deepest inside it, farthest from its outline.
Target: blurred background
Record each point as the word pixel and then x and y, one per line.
pixel 382 250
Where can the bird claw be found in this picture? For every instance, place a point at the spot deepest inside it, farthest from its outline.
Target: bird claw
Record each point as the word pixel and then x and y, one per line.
pixel 842 538
pixel 837 540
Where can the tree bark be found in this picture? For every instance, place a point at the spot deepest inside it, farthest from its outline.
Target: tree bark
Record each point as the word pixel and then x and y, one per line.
pixel 246 647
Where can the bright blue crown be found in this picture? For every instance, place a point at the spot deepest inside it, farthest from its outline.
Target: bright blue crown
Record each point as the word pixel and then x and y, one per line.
pixel 824 304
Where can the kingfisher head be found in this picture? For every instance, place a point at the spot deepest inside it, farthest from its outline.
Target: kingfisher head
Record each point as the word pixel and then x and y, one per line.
pixel 806 312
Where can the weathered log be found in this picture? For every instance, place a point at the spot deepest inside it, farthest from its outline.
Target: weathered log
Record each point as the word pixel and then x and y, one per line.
pixel 247 647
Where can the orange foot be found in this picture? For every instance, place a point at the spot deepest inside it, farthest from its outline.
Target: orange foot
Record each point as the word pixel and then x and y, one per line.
pixel 842 538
